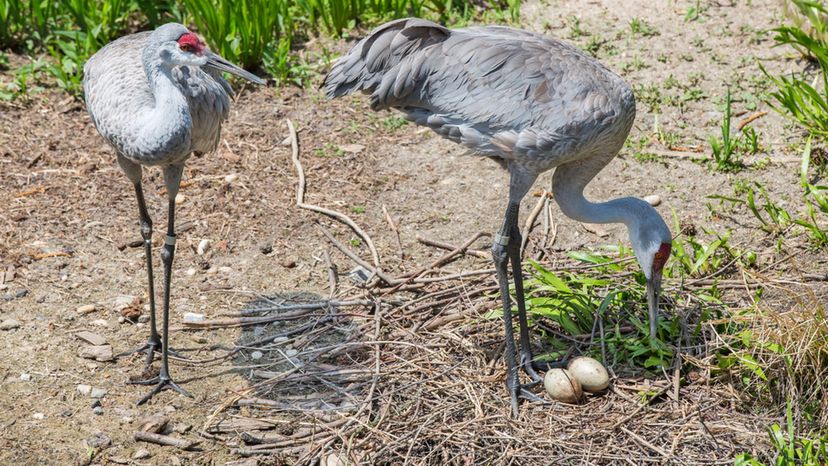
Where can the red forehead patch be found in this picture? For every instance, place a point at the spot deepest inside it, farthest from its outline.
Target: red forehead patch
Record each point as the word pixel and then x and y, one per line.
pixel 661 256
pixel 191 40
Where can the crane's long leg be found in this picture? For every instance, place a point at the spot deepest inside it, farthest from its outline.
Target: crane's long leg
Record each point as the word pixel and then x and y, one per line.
pixel 172 178
pixel 154 342
pixel 508 239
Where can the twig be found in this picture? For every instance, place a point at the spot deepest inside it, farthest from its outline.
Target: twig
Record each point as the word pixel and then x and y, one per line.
pixel 395 230
pixel 750 119
pixel 165 440
pixel 442 260
pixel 645 443
pixel 530 221
pixel 449 247
pixel 376 271
pixel 300 198
pixel 331 274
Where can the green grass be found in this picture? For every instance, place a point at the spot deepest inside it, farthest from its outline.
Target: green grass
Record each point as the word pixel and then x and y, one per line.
pixel 258 34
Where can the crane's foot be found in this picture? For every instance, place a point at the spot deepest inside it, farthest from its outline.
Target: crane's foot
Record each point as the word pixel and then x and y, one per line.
pixel 163 382
pixel 519 391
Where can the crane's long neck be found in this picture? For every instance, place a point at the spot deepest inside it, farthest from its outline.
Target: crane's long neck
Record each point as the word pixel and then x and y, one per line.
pixel 164 127
pixel 568 186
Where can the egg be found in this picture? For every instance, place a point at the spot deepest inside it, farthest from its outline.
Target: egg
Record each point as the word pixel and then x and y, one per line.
pixel 590 373
pixel 562 386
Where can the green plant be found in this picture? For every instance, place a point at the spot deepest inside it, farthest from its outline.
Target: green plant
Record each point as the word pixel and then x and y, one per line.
pixel 795 98
pixel 242 30
pixel 724 147
pixel 640 27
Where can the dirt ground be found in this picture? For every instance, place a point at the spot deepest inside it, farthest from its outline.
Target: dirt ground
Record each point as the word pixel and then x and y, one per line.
pixel 68 225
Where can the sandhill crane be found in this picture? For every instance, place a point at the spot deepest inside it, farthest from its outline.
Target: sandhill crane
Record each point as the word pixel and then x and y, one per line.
pixel 157 97
pixel 528 101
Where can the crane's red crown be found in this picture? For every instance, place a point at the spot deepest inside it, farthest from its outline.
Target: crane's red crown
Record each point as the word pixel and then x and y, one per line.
pixel 661 256
pixel 190 42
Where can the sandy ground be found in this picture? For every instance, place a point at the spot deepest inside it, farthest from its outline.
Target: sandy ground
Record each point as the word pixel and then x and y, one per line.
pixel 68 216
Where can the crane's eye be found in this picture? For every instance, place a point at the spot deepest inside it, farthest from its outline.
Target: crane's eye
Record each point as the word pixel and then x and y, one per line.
pixel 186 47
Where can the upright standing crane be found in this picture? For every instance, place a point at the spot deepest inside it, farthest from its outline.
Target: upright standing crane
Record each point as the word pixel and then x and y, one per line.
pixel 530 102
pixel 157 97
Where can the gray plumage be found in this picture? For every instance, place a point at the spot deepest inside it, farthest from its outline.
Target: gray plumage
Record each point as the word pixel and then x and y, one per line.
pixel 158 97
pixel 117 91
pixel 532 103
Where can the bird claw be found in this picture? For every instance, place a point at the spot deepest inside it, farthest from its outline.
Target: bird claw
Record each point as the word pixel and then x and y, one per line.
pixel 163 383
pixel 151 347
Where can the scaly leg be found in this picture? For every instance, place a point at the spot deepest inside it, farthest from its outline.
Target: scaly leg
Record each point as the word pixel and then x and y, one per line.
pixel 505 241
pixel 172 178
pixel 154 342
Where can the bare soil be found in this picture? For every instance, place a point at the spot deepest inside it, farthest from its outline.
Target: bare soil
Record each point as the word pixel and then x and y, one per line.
pixel 68 216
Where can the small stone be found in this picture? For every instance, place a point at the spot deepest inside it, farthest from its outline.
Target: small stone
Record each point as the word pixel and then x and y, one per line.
pixel 182 428
pixel 256 355
pixel 10 324
pixel 225 270
pixel 266 248
pixel 143 319
pixel 180 198
pixel 98 440
pixel 352 148
pixel 124 301
pixel 192 317
pixel 96 403
pixel 154 424
pixel 25 377
pixel 86 309
pixel 121 319
pixel 97 393
pixel 231 178
pixel 100 323
pixel 141 454
pixel 653 199
pixel 191 272
pixel 203 246
pixel 97 410
pixel 91 338
pixel 100 353
pixel 288 263
pixel 291 352
pixel 84 389
pixel 22 293
pixel 38 416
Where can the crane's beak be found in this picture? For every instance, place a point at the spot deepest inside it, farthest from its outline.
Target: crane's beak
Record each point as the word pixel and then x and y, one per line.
pixel 653 295
pixel 217 63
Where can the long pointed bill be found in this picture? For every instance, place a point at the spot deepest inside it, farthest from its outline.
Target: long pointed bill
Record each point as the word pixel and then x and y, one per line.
pixel 653 295
pixel 217 63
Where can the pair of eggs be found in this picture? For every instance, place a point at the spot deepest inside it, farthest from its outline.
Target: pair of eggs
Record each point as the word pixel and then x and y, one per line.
pixel 582 374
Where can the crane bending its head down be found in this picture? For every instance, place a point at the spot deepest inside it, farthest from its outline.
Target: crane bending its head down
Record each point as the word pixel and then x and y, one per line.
pixel 532 103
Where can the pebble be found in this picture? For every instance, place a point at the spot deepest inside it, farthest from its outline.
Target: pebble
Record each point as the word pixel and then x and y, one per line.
pixel 203 246
pixel 91 338
pixel 266 248
pixel 97 410
pixel 123 301
pixel 180 198
pixel 190 272
pixel 192 317
pixel 141 454
pixel 231 178
pixel 96 403
pixel 10 324
pixel 25 377
pixel 225 270
pixel 39 416
pixel 182 428
pixel 98 440
pixel 84 389
pixel 86 309
pixel 291 352
pixel 22 293
pixel 100 323
pixel 100 353
pixel 97 393
pixel 653 199
pixel 143 319
pixel 256 355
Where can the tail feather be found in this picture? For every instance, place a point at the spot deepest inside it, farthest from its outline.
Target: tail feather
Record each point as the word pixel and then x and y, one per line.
pixel 366 67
